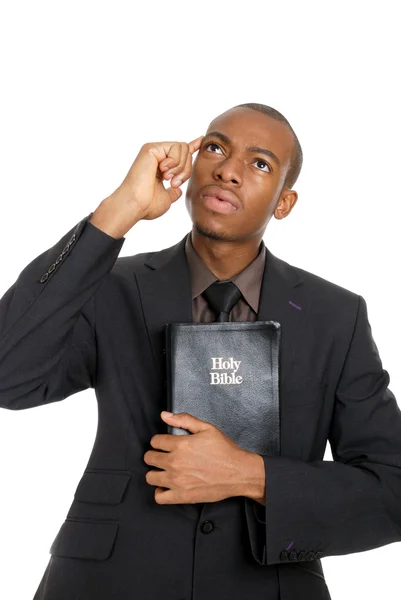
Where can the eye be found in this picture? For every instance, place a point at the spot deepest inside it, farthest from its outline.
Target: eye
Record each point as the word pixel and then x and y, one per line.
pixel 212 144
pixel 259 160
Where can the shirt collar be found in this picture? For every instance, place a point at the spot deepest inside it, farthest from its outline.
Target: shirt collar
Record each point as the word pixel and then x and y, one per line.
pixel 248 281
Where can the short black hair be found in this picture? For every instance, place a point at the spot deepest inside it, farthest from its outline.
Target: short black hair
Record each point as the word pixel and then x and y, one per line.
pixel 297 155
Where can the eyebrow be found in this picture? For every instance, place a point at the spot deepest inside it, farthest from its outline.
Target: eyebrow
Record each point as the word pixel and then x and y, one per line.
pixel 227 140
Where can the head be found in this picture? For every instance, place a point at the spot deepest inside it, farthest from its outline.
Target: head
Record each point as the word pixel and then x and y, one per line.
pixel 262 182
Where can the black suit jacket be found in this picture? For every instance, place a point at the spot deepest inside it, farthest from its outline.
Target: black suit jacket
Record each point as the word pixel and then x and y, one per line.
pixel 78 317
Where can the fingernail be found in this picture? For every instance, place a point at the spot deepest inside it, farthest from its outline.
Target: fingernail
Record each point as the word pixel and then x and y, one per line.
pixel 178 181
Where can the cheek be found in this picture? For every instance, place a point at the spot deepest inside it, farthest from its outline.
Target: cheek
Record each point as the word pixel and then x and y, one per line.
pixel 257 211
pixel 196 172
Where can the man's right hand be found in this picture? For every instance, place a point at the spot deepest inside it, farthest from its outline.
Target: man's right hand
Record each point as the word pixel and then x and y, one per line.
pixel 142 194
pixel 144 181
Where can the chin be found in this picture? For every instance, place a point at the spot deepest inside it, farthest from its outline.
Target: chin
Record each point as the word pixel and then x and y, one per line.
pixel 207 223
pixel 207 230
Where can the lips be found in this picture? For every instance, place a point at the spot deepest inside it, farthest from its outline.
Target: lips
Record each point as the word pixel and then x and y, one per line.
pixel 221 194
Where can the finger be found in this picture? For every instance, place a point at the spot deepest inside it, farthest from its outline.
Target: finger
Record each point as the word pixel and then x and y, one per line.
pixel 164 496
pixel 179 171
pixel 164 441
pixel 157 458
pixel 158 478
pixel 184 174
pixel 173 193
pixel 195 144
pixel 176 169
pixel 173 157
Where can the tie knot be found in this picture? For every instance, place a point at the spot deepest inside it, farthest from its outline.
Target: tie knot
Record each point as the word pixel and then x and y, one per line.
pixel 221 297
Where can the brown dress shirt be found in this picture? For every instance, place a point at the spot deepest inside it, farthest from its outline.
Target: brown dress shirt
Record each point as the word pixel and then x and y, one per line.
pixel 248 281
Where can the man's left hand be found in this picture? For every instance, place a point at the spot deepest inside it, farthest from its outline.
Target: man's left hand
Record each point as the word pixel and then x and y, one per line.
pixel 206 466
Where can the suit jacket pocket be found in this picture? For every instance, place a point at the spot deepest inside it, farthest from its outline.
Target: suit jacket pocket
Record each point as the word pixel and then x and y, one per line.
pixel 85 538
pixel 102 487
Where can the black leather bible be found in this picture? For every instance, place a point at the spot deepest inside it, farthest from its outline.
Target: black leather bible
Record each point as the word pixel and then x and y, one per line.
pixel 227 374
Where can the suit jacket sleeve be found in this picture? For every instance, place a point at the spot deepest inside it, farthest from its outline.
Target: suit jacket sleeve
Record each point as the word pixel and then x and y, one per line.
pixel 47 319
pixel 350 504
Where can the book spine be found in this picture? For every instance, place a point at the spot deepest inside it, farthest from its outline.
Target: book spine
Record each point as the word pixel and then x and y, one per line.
pixel 167 354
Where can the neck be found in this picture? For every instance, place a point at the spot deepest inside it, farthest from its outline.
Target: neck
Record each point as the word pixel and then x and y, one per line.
pixel 224 258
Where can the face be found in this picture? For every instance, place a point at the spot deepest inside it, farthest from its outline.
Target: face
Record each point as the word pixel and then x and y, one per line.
pixel 255 178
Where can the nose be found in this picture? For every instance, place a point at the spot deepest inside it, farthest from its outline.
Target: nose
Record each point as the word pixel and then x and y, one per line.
pixel 228 171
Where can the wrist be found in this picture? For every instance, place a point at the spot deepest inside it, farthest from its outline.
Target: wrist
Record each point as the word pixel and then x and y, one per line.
pixel 115 215
pixel 252 478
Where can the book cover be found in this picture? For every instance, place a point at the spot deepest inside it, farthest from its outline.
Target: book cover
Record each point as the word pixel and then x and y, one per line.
pixel 227 374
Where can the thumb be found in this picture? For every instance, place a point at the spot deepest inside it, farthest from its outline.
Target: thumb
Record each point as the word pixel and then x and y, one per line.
pixel 185 421
pixel 174 193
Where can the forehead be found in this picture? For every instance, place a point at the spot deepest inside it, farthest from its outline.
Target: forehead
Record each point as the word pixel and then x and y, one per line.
pixel 248 127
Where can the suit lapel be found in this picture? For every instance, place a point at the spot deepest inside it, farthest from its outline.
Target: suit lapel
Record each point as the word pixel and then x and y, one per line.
pixel 165 290
pixel 283 298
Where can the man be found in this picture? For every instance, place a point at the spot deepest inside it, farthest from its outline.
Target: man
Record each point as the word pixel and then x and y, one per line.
pixel 197 517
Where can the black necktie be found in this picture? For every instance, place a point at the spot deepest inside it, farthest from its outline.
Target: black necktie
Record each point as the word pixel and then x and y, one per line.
pixel 221 297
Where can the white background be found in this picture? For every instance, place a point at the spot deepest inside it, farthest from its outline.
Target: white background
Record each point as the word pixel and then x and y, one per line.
pixel 85 84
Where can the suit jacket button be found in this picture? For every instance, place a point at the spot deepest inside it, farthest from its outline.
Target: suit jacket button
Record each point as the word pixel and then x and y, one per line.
pixel 319 554
pixel 302 555
pixel 207 527
pixel 292 555
pixel 310 556
pixel 284 555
